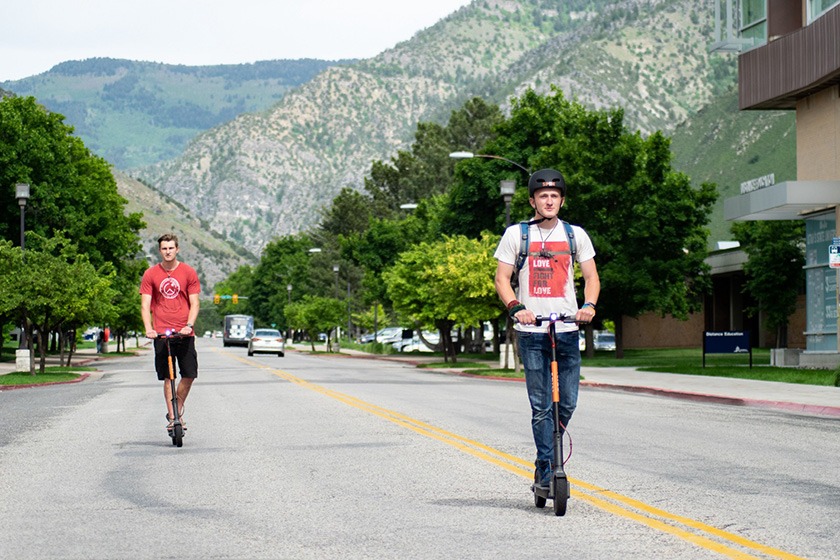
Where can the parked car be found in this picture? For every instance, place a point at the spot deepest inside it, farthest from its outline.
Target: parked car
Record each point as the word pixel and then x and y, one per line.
pixel 208 334
pixel 267 341
pixel 388 335
pixel 416 344
pixel 604 341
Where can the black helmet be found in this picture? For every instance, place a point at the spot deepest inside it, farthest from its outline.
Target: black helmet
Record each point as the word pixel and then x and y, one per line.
pixel 546 178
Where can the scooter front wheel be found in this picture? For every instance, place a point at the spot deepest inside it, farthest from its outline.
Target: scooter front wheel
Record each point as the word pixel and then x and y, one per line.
pixel 177 433
pixel 561 495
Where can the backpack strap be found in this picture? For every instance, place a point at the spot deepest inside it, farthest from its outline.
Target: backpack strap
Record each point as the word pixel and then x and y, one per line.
pixel 522 256
pixel 570 234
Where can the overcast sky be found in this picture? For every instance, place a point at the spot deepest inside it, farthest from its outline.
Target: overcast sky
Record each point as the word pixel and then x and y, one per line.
pixel 36 35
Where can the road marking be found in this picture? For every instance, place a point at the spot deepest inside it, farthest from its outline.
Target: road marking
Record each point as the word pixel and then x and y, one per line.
pixel 607 500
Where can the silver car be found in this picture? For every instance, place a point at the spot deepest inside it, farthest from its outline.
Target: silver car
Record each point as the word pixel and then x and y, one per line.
pixel 267 341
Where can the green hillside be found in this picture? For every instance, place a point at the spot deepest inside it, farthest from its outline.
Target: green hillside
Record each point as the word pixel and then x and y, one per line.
pixel 726 146
pixel 138 113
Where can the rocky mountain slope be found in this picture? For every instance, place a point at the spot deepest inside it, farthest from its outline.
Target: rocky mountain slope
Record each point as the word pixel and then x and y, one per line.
pixel 267 174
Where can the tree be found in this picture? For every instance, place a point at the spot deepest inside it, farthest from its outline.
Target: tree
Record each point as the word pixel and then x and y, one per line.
pixel 55 286
pixel 775 270
pixel 72 190
pixel 314 315
pixel 646 221
pixel 446 283
pixel 285 261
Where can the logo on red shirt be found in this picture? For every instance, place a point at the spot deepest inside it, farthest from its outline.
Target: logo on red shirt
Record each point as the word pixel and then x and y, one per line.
pixel 170 288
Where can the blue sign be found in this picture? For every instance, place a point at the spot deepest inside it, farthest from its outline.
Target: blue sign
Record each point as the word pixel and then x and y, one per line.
pixel 726 342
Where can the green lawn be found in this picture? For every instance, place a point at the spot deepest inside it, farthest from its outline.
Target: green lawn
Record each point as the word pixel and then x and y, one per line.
pixel 51 375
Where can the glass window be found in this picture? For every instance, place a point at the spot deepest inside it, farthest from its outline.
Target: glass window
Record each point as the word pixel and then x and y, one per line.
pixel 816 8
pixel 754 20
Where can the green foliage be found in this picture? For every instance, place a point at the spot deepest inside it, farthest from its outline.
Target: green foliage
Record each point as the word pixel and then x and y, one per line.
pixel 314 315
pixel 71 189
pixel 372 318
pixel 446 283
pixel 646 221
pixel 55 287
pixel 774 271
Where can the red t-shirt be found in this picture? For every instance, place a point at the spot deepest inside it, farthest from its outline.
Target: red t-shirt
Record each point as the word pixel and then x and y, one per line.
pixel 170 293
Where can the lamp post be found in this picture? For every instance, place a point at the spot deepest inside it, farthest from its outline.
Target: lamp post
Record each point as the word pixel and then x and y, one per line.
pixel 335 269
pixel 22 195
pixel 22 355
pixel 507 187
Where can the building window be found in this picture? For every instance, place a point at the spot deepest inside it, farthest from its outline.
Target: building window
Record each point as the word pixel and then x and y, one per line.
pixel 754 20
pixel 816 8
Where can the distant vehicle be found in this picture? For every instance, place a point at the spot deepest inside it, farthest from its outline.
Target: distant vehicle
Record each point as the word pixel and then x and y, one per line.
pixel 581 341
pixel 604 341
pixel 267 341
pixel 416 344
pixel 386 336
pixel 217 334
pixel 238 330
pixel 207 334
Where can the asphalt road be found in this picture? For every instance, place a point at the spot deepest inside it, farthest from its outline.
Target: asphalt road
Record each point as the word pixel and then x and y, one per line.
pixel 327 457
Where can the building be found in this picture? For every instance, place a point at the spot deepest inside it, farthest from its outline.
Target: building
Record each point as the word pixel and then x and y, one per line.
pixel 790 60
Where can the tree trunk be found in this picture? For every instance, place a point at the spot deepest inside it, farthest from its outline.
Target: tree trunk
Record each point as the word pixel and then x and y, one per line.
pixel 619 338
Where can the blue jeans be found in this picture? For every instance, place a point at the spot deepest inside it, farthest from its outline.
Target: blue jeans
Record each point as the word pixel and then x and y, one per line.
pixel 535 353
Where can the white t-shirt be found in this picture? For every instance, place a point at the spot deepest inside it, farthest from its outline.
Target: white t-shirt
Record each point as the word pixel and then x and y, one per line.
pixel 547 280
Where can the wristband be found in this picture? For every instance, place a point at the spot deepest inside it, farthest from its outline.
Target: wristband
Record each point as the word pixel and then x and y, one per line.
pixel 513 303
pixel 515 309
pixel 590 304
pixel 190 325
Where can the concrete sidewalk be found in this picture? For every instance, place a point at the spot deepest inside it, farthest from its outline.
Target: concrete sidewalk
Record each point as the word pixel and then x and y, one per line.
pixel 794 397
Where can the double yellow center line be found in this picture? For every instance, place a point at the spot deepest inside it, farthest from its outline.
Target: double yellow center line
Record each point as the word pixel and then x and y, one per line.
pixel 695 532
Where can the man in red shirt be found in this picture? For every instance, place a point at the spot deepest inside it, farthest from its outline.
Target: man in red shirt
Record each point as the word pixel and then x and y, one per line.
pixel 169 295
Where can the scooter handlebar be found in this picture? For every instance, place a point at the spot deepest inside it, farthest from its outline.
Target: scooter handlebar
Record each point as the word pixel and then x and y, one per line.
pixel 171 334
pixel 555 318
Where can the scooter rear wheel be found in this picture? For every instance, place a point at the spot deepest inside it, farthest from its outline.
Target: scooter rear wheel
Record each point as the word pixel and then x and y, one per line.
pixel 561 495
pixel 177 435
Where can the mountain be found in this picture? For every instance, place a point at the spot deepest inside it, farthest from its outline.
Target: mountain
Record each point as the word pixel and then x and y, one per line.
pixel 268 171
pixel 267 174
pixel 138 113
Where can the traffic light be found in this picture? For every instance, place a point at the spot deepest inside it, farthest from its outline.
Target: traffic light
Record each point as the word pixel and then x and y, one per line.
pixel 235 299
pixel 217 299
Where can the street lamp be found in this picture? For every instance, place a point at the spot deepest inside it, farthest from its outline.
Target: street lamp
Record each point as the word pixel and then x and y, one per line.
pixel 22 355
pixel 289 289
pixel 335 269
pixel 22 195
pixel 470 155
pixel 507 187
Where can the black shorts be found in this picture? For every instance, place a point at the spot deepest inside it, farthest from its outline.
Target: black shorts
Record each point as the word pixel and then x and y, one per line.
pixel 184 357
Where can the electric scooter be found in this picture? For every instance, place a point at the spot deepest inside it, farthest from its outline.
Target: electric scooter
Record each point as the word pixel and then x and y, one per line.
pixel 558 489
pixel 176 430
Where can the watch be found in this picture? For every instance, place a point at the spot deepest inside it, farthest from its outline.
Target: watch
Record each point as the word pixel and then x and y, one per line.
pixel 190 325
